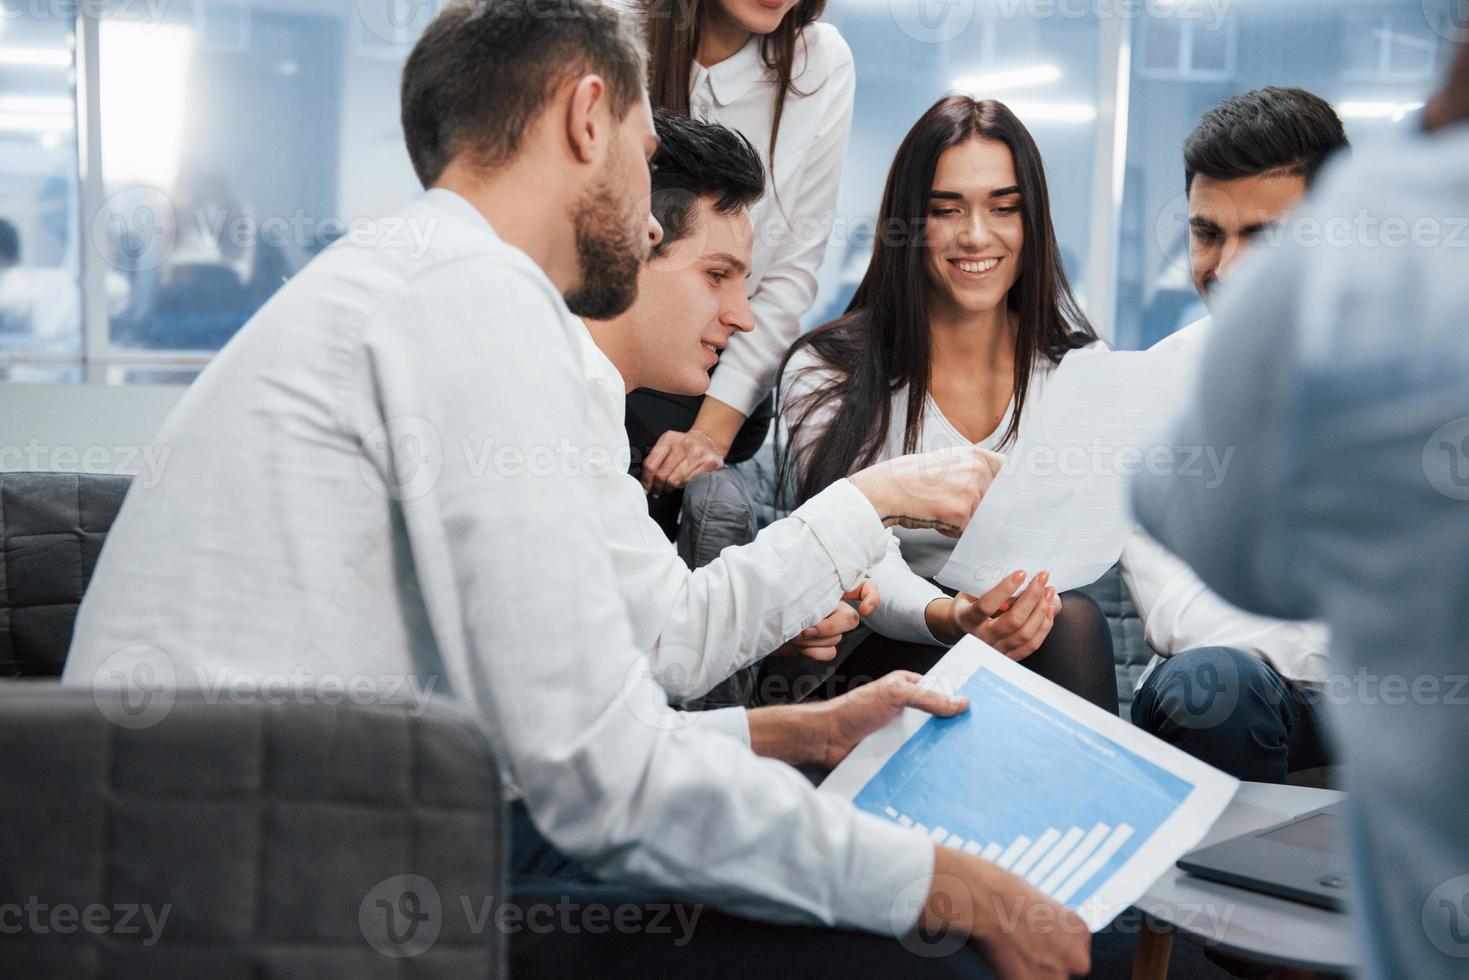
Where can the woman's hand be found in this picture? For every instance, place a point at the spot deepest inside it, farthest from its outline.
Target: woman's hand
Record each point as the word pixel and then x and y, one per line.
pixel 1015 625
pixel 820 642
pixel 860 712
pixel 937 490
pixel 677 458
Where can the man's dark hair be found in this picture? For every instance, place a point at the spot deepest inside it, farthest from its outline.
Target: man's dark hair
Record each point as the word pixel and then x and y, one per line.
pixel 485 69
pixel 700 160
pixel 9 243
pixel 1265 132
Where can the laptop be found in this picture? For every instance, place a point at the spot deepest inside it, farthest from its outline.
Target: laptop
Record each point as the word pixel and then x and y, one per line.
pixel 1300 859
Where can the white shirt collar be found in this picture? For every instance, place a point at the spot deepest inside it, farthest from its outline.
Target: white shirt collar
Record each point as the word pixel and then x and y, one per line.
pixel 733 77
pixel 456 206
pixel 605 383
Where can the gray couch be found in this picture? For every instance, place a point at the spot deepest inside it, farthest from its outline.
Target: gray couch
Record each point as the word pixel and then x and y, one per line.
pixel 176 837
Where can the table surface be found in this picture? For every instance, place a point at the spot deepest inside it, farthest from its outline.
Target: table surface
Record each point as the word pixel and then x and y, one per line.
pixel 1251 924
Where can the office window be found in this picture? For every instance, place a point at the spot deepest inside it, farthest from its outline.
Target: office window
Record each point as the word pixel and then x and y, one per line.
pixel 40 298
pixel 1374 60
pixel 238 141
pixel 1040 59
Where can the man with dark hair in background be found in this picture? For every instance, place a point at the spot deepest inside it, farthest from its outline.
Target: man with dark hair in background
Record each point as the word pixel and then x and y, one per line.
pixel 1339 370
pixel 1241 692
pixel 381 478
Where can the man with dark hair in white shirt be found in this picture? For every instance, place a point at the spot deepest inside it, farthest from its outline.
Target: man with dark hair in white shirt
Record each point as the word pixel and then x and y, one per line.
pixel 1339 368
pixel 1241 692
pixel 382 478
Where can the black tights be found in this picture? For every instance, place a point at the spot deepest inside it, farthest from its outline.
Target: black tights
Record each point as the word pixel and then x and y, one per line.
pixel 1077 655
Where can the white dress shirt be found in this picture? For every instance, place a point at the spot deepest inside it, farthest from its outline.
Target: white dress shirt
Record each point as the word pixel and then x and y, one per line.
pixel 377 479
pixel 1179 612
pixel 1339 369
pixel 701 626
pixel 793 221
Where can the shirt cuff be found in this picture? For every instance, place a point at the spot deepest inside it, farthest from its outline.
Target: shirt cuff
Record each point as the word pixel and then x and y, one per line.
pixel 890 878
pixel 739 391
pixel 901 610
pixel 847 526
pixel 727 721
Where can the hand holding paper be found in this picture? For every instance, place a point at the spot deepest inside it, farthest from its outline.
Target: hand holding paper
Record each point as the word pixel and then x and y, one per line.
pixel 1086 808
pixel 1061 501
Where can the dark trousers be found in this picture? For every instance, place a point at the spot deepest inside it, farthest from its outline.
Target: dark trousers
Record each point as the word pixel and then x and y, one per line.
pixel 575 925
pixel 651 413
pixel 1077 655
pixel 1234 712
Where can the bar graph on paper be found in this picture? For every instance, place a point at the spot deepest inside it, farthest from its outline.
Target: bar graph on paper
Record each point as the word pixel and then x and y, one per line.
pixel 1065 825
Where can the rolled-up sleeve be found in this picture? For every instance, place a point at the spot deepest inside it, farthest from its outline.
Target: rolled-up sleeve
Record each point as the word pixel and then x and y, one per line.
pixel 529 629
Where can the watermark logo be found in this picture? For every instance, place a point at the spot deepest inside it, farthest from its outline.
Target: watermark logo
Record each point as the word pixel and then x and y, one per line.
pixel 1448 18
pixel 1446 917
pixel 643 688
pixel 135 229
pixel 136 688
pixel 403 458
pixel 1446 459
pixel 951 904
pixel 402 916
pixel 932 21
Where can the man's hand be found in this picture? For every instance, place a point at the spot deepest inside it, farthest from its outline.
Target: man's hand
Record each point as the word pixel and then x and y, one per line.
pixel 677 458
pixel 937 490
pixel 1022 934
pixel 860 712
pixel 820 642
pixel 1015 625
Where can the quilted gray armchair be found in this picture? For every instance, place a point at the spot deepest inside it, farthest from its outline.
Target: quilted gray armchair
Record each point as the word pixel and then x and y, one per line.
pixel 234 839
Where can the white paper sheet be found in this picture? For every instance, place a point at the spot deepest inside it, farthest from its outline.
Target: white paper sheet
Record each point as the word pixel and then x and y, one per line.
pixel 1087 808
pixel 1060 504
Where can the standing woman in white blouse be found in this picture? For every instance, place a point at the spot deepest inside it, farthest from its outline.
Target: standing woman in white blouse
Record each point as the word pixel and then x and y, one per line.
pixel 769 70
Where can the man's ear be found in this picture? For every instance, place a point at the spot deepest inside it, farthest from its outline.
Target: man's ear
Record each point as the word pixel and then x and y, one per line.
pixel 586 128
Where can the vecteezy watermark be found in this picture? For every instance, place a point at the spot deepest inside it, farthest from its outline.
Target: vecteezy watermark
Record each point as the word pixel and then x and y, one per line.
pixel 144 463
pixel 404 458
pixel 1446 459
pixel 1211 13
pixel 141 228
pixel 404 916
pixel 137 688
pixel 1446 917
pixel 150 13
pixel 35 917
pixel 1448 18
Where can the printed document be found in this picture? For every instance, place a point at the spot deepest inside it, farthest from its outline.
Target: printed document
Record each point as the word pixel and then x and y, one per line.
pixel 1061 502
pixel 1088 809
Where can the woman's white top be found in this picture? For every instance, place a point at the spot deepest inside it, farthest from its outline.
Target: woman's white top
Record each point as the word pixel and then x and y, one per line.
pixel 1178 611
pixel 792 223
pixel 904 578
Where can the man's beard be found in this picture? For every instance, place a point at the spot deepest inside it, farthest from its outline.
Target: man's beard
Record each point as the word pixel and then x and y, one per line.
pixel 610 256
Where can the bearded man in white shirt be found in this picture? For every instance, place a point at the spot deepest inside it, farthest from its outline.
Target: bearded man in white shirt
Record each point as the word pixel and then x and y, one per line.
pixel 328 515
pixel 1242 692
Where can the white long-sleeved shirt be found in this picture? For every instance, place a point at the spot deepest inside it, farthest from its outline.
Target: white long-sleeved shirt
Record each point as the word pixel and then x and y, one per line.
pixel 1177 610
pixel 1339 372
pixel 379 479
pixel 793 220
pixel 701 626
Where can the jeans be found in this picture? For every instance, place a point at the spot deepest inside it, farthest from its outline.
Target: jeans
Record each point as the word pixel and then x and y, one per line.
pixel 1234 712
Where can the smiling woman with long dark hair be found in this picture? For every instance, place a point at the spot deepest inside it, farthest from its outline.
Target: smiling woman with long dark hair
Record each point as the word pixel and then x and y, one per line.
pixel 964 312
